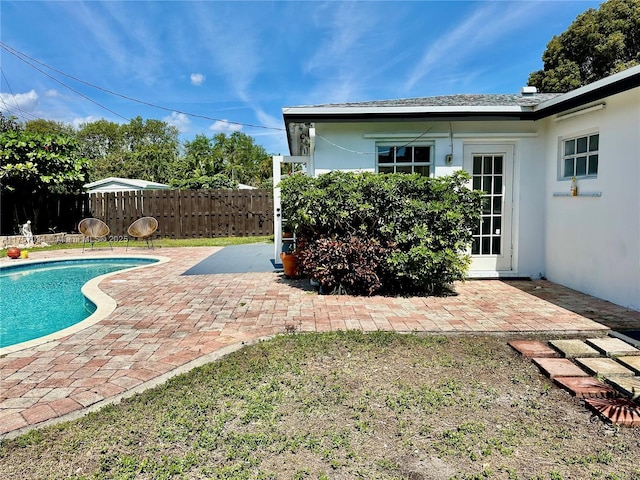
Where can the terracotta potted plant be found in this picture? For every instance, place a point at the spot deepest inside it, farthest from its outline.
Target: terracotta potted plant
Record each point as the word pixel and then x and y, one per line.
pixel 290 264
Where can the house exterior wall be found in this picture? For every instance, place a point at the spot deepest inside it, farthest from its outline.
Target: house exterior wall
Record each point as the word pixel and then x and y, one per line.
pixel 352 147
pixel 593 242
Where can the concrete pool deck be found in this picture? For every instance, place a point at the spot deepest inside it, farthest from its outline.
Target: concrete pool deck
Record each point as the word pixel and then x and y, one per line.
pixel 166 323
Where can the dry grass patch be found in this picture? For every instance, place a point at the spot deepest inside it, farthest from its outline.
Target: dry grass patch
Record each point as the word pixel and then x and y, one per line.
pixel 341 405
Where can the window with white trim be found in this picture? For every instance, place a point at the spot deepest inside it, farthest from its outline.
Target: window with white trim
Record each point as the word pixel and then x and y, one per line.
pixel 404 159
pixel 580 156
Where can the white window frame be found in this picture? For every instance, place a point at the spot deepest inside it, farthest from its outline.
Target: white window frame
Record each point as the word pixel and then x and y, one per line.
pixel 563 156
pixel 400 144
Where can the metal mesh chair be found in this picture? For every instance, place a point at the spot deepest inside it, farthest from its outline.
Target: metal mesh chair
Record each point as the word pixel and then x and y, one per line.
pixel 93 229
pixel 143 229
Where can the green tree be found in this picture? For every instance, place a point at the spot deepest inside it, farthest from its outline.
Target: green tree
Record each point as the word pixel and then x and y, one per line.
pixel 597 44
pixel 151 149
pixel 9 123
pixel 102 142
pixel 145 149
pixel 34 166
pixel 240 158
pixel 49 127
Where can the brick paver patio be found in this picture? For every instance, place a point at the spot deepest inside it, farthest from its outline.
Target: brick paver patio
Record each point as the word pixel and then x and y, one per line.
pixel 165 324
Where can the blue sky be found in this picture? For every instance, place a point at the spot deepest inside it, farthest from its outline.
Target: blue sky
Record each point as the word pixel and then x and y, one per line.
pixel 243 61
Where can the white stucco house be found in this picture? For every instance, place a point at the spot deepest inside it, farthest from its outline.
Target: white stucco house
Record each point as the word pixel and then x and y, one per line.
pixel 116 184
pixel 522 150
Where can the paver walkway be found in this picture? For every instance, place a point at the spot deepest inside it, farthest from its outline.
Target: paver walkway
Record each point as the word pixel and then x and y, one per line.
pixel 166 323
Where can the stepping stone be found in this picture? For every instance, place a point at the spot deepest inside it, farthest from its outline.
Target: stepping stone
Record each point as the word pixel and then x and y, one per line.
pixel 532 349
pixel 632 362
pixel 618 411
pixel 574 348
pixel 613 347
pixel 586 387
pixel 607 367
pixel 559 367
pixel 629 386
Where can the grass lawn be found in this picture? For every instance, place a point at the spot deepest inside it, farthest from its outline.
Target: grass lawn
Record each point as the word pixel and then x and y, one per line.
pixel 341 405
pixel 164 242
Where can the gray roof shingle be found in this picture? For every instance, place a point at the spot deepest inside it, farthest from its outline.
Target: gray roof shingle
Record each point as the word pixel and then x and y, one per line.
pixel 462 100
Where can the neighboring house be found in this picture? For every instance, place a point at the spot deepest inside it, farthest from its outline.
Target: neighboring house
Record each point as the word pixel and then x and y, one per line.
pixel 115 184
pixel 523 151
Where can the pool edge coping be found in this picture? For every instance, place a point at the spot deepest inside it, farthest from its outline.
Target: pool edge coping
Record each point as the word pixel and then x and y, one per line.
pixel 105 305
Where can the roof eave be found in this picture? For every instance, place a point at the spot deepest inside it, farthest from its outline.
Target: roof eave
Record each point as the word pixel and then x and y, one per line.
pixel 612 85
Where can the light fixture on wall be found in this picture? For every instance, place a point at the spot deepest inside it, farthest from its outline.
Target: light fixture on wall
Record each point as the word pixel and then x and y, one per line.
pixel 448 159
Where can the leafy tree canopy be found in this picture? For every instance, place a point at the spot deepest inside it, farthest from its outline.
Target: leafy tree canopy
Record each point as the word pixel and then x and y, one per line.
pixel 33 164
pixel 597 44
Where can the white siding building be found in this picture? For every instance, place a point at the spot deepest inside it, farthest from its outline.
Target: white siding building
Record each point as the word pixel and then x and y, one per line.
pixel 523 151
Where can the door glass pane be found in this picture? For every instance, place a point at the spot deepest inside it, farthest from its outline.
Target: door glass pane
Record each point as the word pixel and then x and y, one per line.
pixel 486 245
pixel 382 169
pixel 582 145
pixel 569 147
pixel 593 165
pixel 486 180
pixel 486 226
pixel 568 167
pixel 581 166
pixel 475 246
pixel 497 185
pixel 403 169
pixel 495 250
pixel 477 183
pixel 497 225
pixel 487 164
pixel 497 164
pixel 486 205
pixel 594 140
pixel 477 165
pixel 497 205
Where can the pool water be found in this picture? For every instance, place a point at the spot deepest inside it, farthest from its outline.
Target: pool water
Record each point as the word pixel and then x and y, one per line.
pixel 38 299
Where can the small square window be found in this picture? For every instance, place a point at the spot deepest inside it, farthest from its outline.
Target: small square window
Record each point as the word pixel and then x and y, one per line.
pixel 580 156
pixel 404 159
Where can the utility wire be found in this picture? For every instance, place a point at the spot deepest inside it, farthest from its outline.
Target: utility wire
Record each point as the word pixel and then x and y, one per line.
pixel 22 56
pixel 12 96
pixel 9 50
pixel 372 153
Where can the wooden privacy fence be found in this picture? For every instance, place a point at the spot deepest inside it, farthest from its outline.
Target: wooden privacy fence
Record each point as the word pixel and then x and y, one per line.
pixel 188 213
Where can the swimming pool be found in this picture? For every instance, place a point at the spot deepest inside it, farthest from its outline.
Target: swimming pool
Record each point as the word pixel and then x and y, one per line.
pixel 40 298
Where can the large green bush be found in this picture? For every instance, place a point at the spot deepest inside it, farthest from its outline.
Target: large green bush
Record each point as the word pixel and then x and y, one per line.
pixel 382 233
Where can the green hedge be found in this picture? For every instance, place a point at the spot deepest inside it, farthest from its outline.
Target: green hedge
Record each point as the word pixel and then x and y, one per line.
pixel 368 233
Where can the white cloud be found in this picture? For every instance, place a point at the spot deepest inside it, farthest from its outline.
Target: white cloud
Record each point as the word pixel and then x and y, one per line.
pixel 79 121
pixel 224 126
pixel 52 93
pixel 26 102
pixel 197 79
pixel 178 120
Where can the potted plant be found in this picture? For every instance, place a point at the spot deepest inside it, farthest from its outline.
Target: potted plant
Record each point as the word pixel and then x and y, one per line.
pixel 290 264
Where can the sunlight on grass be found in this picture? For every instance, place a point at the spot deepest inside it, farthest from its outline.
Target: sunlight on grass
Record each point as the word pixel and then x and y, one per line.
pixel 337 405
pixel 164 242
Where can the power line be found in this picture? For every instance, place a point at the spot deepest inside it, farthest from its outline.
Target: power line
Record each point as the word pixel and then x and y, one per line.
pixel 9 50
pixel 371 153
pixel 12 96
pixel 20 56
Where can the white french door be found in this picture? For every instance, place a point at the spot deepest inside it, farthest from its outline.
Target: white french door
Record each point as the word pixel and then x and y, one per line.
pixel 491 169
